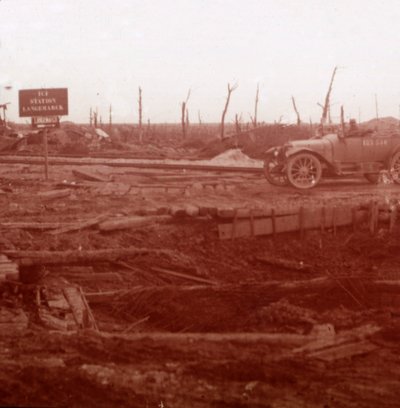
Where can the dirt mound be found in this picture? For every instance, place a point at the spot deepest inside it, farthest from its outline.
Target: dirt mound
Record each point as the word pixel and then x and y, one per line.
pixel 254 142
pixel 235 157
pixel 385 126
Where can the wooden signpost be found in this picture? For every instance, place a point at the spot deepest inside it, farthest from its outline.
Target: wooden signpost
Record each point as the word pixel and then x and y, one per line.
pixel 44 107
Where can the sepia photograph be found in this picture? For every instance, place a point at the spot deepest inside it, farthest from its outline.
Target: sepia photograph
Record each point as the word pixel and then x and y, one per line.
pixel 199 204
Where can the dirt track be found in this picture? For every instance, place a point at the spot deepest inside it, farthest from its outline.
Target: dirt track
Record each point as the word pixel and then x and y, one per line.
pixel 330 342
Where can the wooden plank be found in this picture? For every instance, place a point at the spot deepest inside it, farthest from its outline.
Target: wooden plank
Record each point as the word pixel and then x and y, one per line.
pixel 229 213
pixel 285 263
pixel 344 351
pixel 87 175
pixel 80 225
pixel 54 194
pixel 137 323
pixel 178 339
pixel 183 276
pixel 91 321
pixel 287 224
pixel 8 268
pixel 103 297
pixel 34 225
pixel 60 161
pixel 132 222
pixel 93 276
pixel 262 226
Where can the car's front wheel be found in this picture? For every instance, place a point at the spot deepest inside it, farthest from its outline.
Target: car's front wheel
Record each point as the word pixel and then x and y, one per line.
pixel 272 172
pixel 304 170
pixel 394 168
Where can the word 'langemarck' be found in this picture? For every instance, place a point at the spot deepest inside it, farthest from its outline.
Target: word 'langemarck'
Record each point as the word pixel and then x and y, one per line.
pixel 42 105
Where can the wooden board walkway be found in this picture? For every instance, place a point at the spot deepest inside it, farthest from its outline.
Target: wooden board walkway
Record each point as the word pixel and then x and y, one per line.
pixel 304 219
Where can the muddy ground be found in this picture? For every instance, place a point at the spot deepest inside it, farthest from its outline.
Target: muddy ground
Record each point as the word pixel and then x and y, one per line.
pixel 244 334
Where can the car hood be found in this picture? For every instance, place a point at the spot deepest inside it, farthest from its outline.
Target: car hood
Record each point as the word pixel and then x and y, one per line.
pixel 317 145
pixel 308 144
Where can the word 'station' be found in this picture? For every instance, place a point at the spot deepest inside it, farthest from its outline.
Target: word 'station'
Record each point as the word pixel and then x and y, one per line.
pixel 43 102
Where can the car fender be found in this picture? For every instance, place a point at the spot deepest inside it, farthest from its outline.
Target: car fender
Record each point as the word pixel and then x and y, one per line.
pixel 294 151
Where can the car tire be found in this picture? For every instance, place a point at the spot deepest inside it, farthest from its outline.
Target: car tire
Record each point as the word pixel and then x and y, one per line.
pixel 372 178
pixel 276 179
pixel 304 170
pixel 394 168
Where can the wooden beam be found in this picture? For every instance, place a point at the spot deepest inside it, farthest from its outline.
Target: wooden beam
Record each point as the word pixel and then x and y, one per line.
pixel 28 258
pixel 183 276
pixel 132 222
pixel 60 161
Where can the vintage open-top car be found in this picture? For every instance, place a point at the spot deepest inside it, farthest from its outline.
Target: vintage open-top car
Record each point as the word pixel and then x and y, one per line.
pixel 351 152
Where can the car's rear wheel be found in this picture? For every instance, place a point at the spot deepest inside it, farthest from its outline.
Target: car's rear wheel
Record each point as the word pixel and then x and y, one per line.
pixel 304 170
pixel 372 178
pixel 395 168
pixel 272 172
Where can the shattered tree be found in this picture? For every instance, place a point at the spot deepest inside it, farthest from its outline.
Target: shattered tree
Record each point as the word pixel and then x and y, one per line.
pixel 230 90
pixel 185 116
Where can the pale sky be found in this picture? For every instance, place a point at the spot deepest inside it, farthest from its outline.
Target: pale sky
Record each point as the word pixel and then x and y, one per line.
pixel 102 51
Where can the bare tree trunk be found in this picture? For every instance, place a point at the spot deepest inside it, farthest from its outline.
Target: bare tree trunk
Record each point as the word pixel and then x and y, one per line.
pixel 183 123
pixel 148 126
pixel 4 106
pixel 342 119
pixel 90 117
pixel 238 126
pixel 199 117
pixel 95 118
pixel 297 112
pixel 110 121
pixel 254 120
pixel 230 90
pixel 325 110
pixel 140 116
pixel 184 115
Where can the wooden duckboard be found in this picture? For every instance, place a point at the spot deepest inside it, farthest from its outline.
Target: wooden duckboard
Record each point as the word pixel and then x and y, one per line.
pixel 324 217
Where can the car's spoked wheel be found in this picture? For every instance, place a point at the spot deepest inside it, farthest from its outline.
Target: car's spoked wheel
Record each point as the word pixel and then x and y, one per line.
pixel 272 173
pixel 395 168
pixel 304 171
